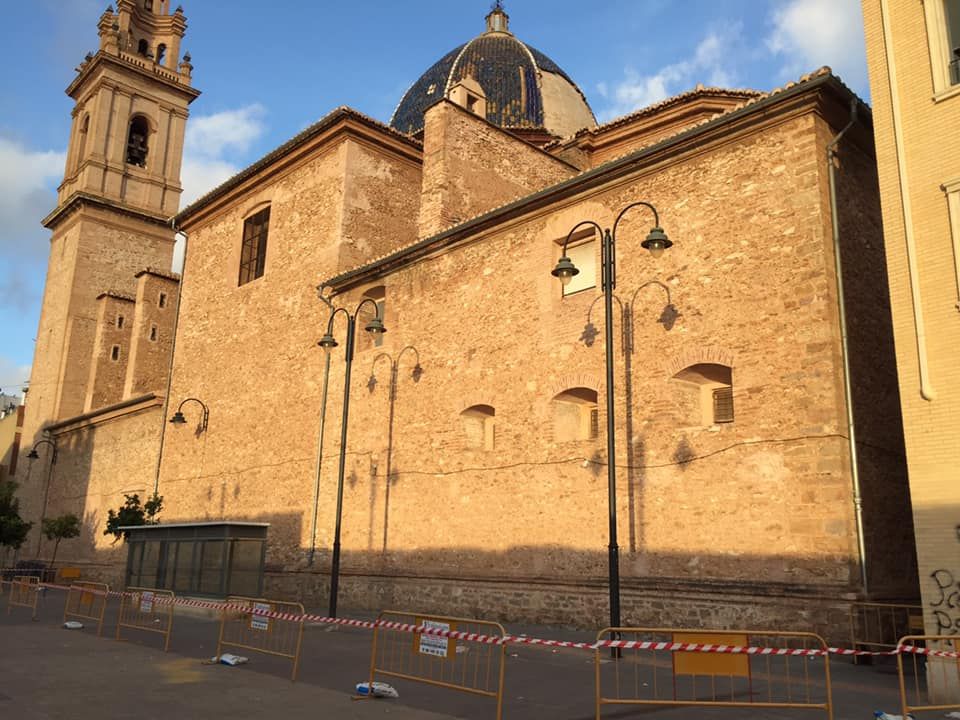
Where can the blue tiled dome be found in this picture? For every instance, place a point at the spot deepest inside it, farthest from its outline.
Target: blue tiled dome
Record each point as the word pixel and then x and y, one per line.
pixel 524 89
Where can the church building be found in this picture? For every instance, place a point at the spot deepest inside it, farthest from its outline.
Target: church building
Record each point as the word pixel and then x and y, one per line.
pixel 761 479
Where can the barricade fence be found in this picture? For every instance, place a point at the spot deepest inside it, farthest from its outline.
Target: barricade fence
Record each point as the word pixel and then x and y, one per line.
pixel 430 649
pixel 929 681
pixel 750 669
pixel 24 592
pixel 876 626
pixel 87 601
pixel 148 610
pixel 271 627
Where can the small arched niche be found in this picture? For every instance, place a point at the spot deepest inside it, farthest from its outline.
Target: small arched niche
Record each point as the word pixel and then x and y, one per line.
pixel 575 415
pixel 478 426
pixel 706 393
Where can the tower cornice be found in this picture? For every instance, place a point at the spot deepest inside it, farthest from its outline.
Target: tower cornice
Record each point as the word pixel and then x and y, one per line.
pixel 80 200
pixel 129 62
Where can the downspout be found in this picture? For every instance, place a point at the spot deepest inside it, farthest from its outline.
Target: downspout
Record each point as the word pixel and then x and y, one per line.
pixel 844 344
pixel 173 349
pixel 319 463
pixel 926 390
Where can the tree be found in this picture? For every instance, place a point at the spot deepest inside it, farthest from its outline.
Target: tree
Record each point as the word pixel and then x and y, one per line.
pixel 60 528
pixel 131 513
pixel 13 529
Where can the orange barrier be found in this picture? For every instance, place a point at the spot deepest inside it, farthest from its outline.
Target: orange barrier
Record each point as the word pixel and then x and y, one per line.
pixel 878 626
pixel 770 677
pixel 24 592
pixel 241 627
pixel 935 679
pixel 149 610
pixel 476 668
pixel 87 601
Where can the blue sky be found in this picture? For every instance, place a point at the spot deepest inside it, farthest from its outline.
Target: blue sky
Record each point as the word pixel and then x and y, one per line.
pixel 267 70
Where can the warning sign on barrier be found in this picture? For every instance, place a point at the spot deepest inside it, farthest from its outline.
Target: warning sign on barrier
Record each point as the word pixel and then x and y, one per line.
pixel 146 602
pixel 260 622
pixel 435 645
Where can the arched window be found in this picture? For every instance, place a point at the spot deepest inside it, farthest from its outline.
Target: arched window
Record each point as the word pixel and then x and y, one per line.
pixel 143 47
pixel 82 138
pixel 575 415
pixel 478 426
pixel 161 53
pixel 707 393
pixel 137 141
pixel 379 295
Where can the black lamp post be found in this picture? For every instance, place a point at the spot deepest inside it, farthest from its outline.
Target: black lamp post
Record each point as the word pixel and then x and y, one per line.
pixel 656 242
pixel 34 455
pixel 179 419
pixel 327 342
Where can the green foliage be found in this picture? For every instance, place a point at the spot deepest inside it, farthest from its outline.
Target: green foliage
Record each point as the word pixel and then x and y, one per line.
pixel 60 528
pixel 13 530
pixel 132 513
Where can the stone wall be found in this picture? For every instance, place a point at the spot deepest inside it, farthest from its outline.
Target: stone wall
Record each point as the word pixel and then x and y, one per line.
pixel 152 334
pixel 111 350
pixel 471 166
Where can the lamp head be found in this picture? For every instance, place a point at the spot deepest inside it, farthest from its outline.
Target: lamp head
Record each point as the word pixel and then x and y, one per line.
pixel 656 242
pixel 32 455
pixel 375 326
pixel 327 342
pixel 565 270
pixel 178 418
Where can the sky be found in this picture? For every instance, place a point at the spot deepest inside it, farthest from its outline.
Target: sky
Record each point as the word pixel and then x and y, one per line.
pixel 269 69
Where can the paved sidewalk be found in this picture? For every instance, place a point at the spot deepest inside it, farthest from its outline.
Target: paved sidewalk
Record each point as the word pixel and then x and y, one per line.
pixel 49 672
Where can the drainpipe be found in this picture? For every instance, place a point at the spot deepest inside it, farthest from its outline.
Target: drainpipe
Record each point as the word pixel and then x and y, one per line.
pixel 319 463
pixel 173 348
pixel 848 394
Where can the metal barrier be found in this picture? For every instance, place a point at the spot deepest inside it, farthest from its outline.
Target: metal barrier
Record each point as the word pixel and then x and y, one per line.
pixel 471 667
pixel 242 627
pixel 149 610
pixel 87 601
pixel 24 592
pixel 878 626
pixel 936 678
pixel 778 674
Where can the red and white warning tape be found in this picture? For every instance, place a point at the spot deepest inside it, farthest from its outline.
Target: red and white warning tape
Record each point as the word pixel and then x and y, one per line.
pixel 519 639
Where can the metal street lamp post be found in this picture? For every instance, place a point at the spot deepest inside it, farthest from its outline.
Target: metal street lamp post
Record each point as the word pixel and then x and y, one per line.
pixel 179 419
pixel 34 455
pixel 656 242
pixel 327 342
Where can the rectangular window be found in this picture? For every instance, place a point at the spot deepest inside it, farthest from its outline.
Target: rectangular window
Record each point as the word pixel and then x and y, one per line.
pixel 153 333
pixel 253 253
pixel 115 353
pixel 943 39
pixel 723 405
pixel 162 302
pixel 584 257
pixel 119 322
pixel 952 11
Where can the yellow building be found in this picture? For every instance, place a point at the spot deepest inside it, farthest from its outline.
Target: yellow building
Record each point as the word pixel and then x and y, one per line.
pixel 913 50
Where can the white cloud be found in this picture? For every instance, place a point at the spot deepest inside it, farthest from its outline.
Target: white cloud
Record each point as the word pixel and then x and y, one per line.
pixel 711 63
pixel 13 377
pixel 27 179
pixel 809 33
pixel 211 136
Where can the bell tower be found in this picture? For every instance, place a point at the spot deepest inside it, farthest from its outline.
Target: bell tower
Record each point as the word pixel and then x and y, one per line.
pixel 120 188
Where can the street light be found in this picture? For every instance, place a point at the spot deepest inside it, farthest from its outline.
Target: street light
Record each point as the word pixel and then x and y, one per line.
pixel 179 419
pixel 656 242
pixel 34 455
pixel 328 342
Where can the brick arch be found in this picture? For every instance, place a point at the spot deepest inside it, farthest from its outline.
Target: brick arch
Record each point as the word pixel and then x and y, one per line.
pixel 468 401
pixel 696 355
pixel 587 380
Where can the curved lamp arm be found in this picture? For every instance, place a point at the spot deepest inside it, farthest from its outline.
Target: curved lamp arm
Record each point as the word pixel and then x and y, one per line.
pixel 179 419
pixel 656 215
pixel 33 455
pixel 417 371
pixel 577 227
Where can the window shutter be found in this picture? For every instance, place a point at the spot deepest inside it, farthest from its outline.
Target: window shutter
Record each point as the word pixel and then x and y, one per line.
pixel 723 405
pixel 594 423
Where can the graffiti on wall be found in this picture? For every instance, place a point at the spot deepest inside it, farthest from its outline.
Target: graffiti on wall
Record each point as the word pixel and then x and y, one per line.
pixel 945 604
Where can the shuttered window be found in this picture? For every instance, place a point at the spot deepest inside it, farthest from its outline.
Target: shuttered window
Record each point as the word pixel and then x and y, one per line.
pixel 253 253
pixel 723 405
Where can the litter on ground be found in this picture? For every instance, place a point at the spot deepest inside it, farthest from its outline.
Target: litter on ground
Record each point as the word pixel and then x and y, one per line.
pixel 380 690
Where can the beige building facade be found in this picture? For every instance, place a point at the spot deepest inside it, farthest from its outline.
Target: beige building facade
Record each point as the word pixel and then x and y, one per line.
pixel 475 460
pixel 913 50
